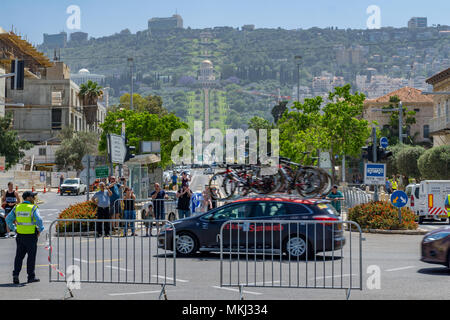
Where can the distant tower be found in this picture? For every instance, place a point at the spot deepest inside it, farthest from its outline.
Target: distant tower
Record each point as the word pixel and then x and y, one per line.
pixel 207 79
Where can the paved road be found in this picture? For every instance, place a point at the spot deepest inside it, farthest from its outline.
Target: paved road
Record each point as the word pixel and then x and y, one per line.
pixel 403 276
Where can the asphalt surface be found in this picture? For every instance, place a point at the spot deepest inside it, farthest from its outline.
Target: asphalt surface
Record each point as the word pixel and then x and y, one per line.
pixel 402 275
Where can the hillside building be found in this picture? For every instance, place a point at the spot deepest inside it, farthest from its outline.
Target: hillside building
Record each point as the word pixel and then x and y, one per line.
pixel 55 41
pixel 174 22
pixel 417 22
pixel 413 100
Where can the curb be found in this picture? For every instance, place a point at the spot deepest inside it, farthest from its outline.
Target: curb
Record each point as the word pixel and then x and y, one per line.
pixel 402 232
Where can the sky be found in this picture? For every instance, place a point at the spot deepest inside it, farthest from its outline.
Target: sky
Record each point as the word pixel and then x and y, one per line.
pixel 101 18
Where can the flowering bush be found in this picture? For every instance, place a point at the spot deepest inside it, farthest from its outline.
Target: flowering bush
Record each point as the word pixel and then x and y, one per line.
pixel 84 210
pixel 382 215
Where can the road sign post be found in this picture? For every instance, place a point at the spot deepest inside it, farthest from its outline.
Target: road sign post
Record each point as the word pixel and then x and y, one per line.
pixel 384 142
pixel 399 199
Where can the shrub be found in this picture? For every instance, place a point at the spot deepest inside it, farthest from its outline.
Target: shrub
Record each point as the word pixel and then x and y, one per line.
pixel 84 210
pixel 406 161
pixel 434 164
pixel 382 215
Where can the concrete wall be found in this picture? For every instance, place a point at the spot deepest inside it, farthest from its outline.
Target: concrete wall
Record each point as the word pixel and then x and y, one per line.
pixel 441 100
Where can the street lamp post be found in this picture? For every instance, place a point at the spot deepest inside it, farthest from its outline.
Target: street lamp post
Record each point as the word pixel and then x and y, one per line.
pixel 400 119
pixel 131 61
pixel 298 59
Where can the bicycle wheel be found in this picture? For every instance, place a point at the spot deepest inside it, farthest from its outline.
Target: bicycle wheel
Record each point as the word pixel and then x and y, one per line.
pixel 217 182
pixel 327 182
pixel 309 182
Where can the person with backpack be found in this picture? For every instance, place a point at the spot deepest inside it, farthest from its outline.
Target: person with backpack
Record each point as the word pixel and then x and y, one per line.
pixel 9 200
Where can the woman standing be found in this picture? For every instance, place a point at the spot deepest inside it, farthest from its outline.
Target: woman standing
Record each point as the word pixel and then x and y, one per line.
pixel 130 210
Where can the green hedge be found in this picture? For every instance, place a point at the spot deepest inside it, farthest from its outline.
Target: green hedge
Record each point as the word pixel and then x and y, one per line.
pixel 382 215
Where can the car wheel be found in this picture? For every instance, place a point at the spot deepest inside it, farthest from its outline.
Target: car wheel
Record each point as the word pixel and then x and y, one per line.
pixel 296 246
pixel 186 244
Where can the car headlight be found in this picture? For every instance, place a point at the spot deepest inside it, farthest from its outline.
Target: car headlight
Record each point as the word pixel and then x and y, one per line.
pixel 436 236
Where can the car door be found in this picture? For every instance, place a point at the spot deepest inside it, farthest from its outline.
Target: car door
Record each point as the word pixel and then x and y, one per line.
pixel 212 223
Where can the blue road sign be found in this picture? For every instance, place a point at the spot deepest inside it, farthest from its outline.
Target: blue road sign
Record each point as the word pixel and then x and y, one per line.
pixel 399 199
pixel 375 174
pixel 384 142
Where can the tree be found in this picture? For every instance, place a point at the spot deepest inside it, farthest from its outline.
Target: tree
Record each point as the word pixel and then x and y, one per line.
pixel 407 159
pixel 279 110
pixel 10 145
pixel 257 123
pixel 89 94
pixel 150 104
pixel 346 131
pixel 74 146
pixel 143 126
pixel 338 127
pixel 408 119
pixel 434 164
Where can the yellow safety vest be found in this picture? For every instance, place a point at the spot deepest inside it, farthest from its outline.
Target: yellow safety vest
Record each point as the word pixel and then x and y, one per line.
pixel 24 218
pixel 394 185
pixel 448 210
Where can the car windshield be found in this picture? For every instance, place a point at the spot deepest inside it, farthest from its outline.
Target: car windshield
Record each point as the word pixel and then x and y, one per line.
pixel 70 182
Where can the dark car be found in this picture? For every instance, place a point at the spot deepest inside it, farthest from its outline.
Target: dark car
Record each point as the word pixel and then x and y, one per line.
pixel 202 233
pixel 436 247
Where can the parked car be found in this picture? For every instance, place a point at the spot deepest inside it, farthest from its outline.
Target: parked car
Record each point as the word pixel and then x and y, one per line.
pixel 202 232
pixel 436 247
pixel 208 171
pixel 73 186
pixel 170 207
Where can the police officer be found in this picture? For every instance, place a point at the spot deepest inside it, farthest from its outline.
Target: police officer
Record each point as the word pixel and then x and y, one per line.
pixel 27 222
pixel 447 206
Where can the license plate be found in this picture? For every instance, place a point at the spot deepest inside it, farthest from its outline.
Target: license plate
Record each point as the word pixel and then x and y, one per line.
pixel 68 191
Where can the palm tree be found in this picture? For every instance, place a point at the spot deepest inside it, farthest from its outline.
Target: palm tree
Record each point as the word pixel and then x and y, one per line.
pixel 89 94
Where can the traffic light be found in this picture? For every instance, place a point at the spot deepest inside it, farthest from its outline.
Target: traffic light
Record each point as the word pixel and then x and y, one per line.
pixel 20 75
pixel 131 151
pixel 383 154
pixel 367 153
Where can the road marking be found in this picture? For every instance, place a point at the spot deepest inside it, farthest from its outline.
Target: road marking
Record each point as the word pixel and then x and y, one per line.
pixel 237 290
pixel 133 293
pixel 116 268
pixel 399 269
pixel 335 276
pixel 168 278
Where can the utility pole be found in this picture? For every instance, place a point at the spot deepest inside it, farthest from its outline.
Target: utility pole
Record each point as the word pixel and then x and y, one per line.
pixel 375 143
pixel 400 119
pixel 88 177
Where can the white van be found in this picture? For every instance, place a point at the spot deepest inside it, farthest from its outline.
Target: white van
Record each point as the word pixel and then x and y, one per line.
pixel 413 193
pixel 429 201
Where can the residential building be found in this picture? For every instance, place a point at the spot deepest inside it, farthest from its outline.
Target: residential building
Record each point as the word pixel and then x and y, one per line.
pixel 417 22
pixel 440 124
pixel 248 27
pixel 413 100
pixel 174 22
pixel 55 41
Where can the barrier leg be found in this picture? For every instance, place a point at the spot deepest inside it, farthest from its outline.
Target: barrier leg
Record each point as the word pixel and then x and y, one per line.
pixel 68 291
pixel 163 292
pixel 347 293
pixel 241 292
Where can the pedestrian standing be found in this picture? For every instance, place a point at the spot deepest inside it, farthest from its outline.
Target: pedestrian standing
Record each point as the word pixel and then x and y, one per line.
pixel 158 197
pixel 129 210
pixel 102 200
pixel 9 200
pixel 115 205
pixel 388 186
pixel 174 180
pixel 185 179
pixel 25 219
pixel 184 198
pixel 207 200
pixel 61 180
pixel 148 216
pixel 336 197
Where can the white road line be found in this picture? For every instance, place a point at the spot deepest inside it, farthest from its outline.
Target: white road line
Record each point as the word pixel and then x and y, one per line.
pixel 335 276
pixel 117 268
pixel 133 293
pixel 237 290
pixel 80 260
pixel 162 277
pixel 399 269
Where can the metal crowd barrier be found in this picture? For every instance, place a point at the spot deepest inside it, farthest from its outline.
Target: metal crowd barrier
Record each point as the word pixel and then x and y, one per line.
pixel 132 259
pixel 170 211
pixel 251 254
pixel 355 196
